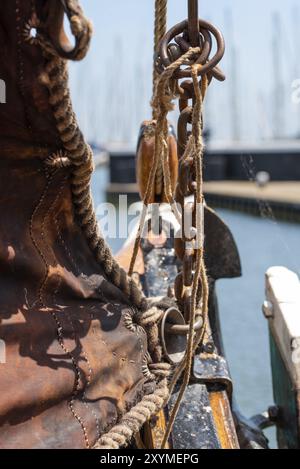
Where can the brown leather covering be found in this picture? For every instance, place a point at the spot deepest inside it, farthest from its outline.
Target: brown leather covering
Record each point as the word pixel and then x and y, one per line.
pixel 73 366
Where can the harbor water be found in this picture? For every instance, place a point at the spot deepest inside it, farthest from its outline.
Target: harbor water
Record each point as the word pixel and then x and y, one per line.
pixel 262 243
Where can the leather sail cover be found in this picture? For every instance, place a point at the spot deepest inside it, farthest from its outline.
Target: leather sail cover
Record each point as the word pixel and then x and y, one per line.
pixel 74 363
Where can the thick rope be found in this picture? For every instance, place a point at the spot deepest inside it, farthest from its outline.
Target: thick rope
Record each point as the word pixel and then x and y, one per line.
pixel 196 150
pixel 80 155
pixel 150 405
pixel 160 29
pixel 150 321
pixel 131 423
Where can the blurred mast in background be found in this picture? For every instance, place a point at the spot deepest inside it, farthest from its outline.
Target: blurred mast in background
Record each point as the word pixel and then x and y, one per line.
pixel 296 43
pixel 263 121
pixel 277 97
pixel 234 103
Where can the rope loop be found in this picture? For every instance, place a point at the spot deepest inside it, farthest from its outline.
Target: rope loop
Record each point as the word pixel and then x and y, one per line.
pixel 81 29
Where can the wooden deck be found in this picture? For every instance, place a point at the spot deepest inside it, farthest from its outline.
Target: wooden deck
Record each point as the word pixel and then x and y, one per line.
pixel 281 199
pixel 284 192
pixel 287 192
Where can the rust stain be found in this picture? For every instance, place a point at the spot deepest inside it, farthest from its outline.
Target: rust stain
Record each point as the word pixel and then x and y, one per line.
pixel 154 432
pixel 223 420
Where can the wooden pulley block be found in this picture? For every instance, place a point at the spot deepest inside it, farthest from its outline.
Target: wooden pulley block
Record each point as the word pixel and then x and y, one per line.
pixel 145 158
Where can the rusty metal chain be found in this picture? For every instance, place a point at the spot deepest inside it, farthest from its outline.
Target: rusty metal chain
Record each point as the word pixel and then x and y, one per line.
pixel 193 32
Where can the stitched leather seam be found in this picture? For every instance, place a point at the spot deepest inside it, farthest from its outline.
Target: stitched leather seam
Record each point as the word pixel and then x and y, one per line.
pixel 137 329
pixel 133 327
pixel 78 375
pixel 35 243
pixel 90 373
pixel 60 337
pixel 76 368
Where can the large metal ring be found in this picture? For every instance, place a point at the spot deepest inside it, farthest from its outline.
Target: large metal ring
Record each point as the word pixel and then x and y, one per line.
pixel 174 332
pixel 174 345
pixel 206 45
pixel 207 65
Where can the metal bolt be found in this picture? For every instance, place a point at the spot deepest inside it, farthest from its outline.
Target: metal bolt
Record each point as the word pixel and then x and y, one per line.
pixel 268 309
pixel 295 344
pixel 209 347
pixel 174 52
pixel 273 412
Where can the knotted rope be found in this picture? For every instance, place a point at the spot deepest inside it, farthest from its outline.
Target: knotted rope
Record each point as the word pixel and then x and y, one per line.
pixel 81 28
pixel 132 422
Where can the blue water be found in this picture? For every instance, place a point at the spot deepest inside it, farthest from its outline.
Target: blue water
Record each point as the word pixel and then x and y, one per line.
pixel 262 243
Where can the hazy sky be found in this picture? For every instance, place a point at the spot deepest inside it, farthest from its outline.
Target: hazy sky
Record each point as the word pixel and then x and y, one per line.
pixel 112 87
